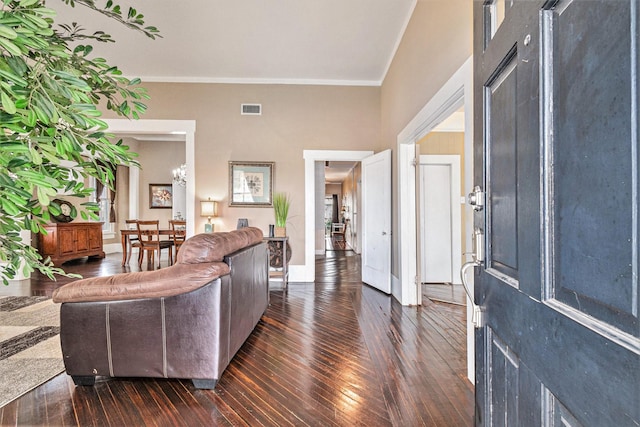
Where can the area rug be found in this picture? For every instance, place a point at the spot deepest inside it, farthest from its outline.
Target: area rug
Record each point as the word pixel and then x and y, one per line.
pixel 30 351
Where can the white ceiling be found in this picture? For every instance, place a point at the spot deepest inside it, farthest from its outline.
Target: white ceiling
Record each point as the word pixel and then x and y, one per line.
pixel 255 41
pixel 336 172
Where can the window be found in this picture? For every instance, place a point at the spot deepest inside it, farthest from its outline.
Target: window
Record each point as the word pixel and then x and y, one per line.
pixel 105 206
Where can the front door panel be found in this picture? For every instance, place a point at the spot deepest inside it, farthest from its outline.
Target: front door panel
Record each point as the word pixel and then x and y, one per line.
pixel 556 151
pixel 502 179
pixel 594 238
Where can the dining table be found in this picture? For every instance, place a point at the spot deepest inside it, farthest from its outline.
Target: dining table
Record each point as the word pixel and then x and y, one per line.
pixel 125 235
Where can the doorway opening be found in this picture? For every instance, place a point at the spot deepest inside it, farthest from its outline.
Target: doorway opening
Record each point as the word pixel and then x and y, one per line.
pixel 341 225
pixel 439 192
pixel 315 226
pixel 183 130
pixel 456 93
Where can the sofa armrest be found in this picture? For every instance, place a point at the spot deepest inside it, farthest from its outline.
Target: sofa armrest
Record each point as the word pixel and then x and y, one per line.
pixel 183 336
pixel 174 280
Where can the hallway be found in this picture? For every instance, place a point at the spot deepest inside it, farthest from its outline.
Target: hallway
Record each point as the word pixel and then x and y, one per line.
pixel 332 353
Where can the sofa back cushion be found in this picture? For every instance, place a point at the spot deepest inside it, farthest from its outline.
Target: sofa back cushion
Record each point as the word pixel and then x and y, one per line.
pixel 212 247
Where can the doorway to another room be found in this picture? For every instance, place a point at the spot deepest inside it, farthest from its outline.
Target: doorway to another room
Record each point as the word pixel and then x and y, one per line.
pixel 455 94
pixel 341 183
pixel 439 195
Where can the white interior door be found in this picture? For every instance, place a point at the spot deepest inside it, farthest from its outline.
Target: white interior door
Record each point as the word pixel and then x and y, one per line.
pixel 440 218
pixel 376 221
pixel 435 223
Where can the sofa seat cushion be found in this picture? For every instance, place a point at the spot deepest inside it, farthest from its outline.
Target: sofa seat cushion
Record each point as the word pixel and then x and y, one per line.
pixel 166 282
pixel 212 247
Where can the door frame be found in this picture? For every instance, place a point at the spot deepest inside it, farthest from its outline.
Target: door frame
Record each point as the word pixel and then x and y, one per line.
pixel 124 127
pixel 307 272
pixel 453 161
pixel 456 92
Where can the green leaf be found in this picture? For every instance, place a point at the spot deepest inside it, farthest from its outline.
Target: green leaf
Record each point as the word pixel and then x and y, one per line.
pixel 46 76
pixel 9 207
pixel 13 78
pixel 31 118
pixel 10 47
pixel 27 3
pixel 7 32
pixel 36 158
pixel 7 103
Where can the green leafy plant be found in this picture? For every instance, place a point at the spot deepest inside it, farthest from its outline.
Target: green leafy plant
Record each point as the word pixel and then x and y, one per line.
pixel 52 137
pixel 281 203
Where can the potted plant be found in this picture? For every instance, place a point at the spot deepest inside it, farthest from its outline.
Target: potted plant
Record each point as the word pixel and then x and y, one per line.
pixel 281 203
pixel 52 86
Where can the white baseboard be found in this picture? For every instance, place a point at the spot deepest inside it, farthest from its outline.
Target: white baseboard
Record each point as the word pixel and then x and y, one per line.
pixel 297 273
pixel 112 248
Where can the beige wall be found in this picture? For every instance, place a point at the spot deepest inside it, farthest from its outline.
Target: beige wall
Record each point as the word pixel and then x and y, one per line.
pixel 438 40
pixel 157 161
pixel 334 189
pixel 294 118
pixel 297 117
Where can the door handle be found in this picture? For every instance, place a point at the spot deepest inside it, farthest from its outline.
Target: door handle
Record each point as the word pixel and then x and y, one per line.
pixel 478 246
pixel 477 261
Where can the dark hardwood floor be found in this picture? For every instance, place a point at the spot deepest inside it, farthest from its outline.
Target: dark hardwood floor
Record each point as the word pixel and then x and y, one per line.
pixel 331 353
pixel 444 292
pixel 336 243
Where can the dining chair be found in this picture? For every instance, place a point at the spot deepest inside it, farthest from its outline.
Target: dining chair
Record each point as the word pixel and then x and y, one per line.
pixel 149 238
pixel 133 240
pixel 178 233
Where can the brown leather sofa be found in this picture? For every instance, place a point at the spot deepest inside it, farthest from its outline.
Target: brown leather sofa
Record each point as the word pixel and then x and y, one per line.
pixel 184 321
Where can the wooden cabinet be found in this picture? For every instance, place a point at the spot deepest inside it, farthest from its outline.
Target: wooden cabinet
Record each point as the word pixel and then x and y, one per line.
pixel 66 241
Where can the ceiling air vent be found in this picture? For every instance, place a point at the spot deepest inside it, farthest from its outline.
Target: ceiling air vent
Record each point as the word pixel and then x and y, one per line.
pixel 251 109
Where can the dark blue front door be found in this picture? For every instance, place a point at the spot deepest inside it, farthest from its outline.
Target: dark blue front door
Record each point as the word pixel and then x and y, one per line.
pixel 557 154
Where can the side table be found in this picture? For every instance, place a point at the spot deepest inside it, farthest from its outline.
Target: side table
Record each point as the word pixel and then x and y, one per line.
pixel 281 243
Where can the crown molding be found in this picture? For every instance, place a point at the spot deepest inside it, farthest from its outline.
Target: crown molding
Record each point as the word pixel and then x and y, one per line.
pixel 265 81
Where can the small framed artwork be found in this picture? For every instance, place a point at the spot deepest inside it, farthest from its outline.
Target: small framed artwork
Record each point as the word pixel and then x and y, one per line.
pixel 160 196
pixel 251 184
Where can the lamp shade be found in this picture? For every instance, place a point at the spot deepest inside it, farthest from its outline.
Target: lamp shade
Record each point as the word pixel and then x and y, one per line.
pixel 208 208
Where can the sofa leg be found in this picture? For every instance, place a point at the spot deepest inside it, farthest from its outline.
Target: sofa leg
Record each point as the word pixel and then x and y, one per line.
pixel 84 380
pixel 204 384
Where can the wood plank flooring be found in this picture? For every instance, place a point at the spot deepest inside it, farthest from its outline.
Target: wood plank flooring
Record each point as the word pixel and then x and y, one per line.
pixel 444 292
pixel 332 353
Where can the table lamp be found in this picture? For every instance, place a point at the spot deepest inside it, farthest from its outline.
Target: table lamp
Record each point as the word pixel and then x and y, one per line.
pixel 208 208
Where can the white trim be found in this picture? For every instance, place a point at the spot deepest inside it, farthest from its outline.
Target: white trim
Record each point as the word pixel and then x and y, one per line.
pixel 457 91
pixel 241 81
pixel 112 248
pixel 308 273
pixel 453 123
pixel 297 273
pixel 159 127
pixel 134 192
pixel 407 225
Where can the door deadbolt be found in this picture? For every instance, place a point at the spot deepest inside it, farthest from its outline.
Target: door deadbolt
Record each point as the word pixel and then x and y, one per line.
pixel 476 198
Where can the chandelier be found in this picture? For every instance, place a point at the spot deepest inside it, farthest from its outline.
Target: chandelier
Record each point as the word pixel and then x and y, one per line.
pixel 180 175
